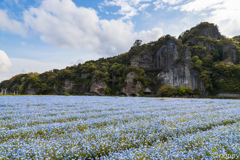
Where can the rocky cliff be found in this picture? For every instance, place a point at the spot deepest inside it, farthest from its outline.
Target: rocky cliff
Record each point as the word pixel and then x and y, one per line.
pixel 200 60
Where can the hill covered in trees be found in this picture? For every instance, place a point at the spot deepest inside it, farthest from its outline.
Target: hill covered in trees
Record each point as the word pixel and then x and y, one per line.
pixel 200 62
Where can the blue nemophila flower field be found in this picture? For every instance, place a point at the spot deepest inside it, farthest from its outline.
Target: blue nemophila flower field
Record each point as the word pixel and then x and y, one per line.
pixel 81 127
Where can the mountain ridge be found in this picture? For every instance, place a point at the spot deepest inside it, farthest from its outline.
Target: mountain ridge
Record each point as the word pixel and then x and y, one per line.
pixel 200 61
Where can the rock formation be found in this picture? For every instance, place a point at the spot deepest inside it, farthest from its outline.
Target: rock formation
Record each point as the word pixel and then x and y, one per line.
pixel 68 85
pixel 131 89
pixel 145 68
pixel 30 90
pixel 230 52
pixel 98 87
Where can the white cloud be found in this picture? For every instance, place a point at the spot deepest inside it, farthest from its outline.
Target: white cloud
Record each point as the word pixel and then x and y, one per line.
pixel 7 24
pixel 63 24
pixel 199 5
pixel 5 62
pixel 143 6
pixel 172 2
pixel 80 61
pixel 26 65
pixel 25 70
pixel 161 4
pixel 129 8
pixel 224 13
pixel 149 35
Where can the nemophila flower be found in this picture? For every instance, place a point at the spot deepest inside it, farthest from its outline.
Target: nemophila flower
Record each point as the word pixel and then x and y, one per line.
pixel 113 128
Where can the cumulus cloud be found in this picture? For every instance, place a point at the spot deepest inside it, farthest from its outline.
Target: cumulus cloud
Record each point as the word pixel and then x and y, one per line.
pixel 221 12
pixel 129 8
pixel 161 4
pixel 199 5
pixel 5 62
pixel 153 34
pixel 8 24
pixel 143 6
pixel 63 24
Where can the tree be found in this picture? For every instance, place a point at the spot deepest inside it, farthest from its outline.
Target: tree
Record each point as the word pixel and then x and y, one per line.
pixel 197 91
pixel 138 42
pixel 194 59
pixel 208 61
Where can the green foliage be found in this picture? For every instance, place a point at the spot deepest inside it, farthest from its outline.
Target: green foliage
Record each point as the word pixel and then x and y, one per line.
pixel 197 63
pixel 208 61
pixel 199 51
pixel 22 88
pixel 215 74
pixel 206 78
pixel 168 91
pixel 67 94
pixel 216 55
pixel 197 91
pixel 194 59
pixel 141 92
pixel 195 33
pixel 134 69
pixel 108 90
pixel 237 38
pixel 98 75
pixel 182 90
pixel 144 81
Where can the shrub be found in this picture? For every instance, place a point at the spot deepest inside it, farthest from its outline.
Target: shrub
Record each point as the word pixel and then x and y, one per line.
pixel 167 91
pixel 141 92
pixel 108 90
pixel 197 91
pixel 208 61
pixel 194 59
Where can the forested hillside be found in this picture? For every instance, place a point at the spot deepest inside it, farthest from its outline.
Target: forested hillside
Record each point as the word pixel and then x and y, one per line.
pixel 200 61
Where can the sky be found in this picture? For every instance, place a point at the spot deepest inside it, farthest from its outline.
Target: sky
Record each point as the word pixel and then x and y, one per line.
pixel 41 35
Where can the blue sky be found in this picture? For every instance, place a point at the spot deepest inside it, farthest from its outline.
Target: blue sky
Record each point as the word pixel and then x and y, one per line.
pixel 40 35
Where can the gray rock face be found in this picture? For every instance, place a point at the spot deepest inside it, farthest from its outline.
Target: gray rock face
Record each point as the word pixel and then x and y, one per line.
pixel 208 46
pixel 130 88
pixel 167 55
pixel 143 60
pixel 68 85
pixel 84 75
pixel 30 90
pixel 231 52
pixel 179 74
pixel 135 60
pixel 211 32
pixel 170 73
pixel 98 87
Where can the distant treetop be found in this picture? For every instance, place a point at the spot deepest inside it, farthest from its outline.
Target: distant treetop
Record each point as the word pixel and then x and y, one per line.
pixel 138 42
